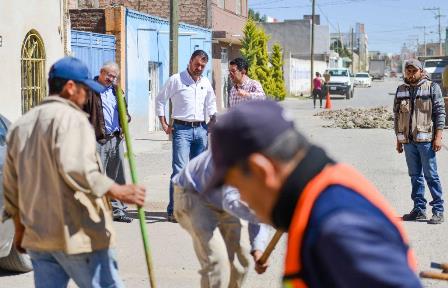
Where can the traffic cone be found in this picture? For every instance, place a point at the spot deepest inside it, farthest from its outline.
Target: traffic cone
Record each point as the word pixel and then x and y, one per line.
pixel 328 101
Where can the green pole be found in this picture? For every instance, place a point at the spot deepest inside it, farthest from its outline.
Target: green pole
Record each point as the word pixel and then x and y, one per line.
pixel 141 212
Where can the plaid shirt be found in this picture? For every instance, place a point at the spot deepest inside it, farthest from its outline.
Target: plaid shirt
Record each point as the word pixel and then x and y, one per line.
pixel 249 85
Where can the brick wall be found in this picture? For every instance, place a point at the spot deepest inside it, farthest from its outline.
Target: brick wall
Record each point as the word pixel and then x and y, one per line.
pixel 91 20
pixel 190 11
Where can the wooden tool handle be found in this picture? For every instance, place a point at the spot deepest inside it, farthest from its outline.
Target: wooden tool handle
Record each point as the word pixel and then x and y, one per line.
pixel 271 246
pixel 434 275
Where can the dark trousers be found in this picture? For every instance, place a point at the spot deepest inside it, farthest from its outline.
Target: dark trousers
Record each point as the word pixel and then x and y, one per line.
pixel 317 93
pixel 112 154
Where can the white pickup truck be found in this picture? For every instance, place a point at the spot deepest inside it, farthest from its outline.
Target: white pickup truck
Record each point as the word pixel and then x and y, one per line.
pixel 341 82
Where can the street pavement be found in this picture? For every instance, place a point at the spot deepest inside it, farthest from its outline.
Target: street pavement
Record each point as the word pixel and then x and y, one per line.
pixel 372 151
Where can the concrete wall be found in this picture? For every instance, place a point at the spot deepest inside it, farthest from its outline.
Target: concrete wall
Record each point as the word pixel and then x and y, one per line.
pixel 17 18
pixel 295 36
pixel 147 43
pixel 297 74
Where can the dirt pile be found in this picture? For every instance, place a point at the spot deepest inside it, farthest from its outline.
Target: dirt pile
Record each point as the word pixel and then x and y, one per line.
pixel 365 118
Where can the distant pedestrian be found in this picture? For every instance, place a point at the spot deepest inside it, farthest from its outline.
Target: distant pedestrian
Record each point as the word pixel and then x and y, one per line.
pixel 193 100
pixel 317 89
pixel 55 191
pixel 341 230
pixel 419 112
pixel 218 226
pixel 243 88
pixel 104 116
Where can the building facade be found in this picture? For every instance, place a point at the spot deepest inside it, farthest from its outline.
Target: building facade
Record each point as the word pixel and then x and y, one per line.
pixel 226 18
pixel 142 52
pixel 295 38
pixel 33 35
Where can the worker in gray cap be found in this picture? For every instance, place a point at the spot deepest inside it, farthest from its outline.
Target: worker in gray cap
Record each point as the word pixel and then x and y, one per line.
pixel 419 112
pixel 341 231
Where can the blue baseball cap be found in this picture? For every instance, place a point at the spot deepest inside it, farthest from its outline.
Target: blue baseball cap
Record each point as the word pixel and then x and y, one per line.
pixel 249 127
pixel 71 68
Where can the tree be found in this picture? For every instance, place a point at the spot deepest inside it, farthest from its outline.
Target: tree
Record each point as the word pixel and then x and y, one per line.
pixel 340 49
pixel 256 16
pixel 255 50
pixel 278 87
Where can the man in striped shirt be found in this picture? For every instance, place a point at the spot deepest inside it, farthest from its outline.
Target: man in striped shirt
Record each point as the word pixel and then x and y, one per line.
pixel 243 88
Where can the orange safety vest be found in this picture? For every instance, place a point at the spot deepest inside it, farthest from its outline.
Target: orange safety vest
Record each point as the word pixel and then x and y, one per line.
pixel 338 174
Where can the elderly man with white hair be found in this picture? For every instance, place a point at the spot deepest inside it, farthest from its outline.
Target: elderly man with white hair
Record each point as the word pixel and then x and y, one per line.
pixel 104 116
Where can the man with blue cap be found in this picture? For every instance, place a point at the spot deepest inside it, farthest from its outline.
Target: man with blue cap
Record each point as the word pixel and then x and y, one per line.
pixel 341 231
pixel 56 191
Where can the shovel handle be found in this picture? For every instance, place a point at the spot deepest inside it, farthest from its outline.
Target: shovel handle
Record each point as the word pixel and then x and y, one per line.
pixel 271 246
pixel 434 275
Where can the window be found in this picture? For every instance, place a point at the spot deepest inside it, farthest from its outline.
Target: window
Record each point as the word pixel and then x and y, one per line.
pixel 238 7
pixel 33 71
pixel 221 4
pixel 338 72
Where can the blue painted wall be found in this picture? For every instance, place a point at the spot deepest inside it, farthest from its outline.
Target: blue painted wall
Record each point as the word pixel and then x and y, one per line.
pixel 93 49
pixel 147 40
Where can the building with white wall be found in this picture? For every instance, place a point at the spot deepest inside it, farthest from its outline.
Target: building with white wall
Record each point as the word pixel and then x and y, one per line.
pixel 33 35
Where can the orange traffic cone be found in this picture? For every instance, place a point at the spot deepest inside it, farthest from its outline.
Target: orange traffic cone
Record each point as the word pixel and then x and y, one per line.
pixel 328 101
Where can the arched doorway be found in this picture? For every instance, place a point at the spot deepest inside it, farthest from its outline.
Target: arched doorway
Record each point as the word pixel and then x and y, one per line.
pixel 32 70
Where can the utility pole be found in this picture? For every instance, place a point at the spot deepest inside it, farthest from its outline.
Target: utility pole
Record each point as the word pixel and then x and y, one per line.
pixel 174 36
pixel 312 45
pixel 351 48
pixel 174 46
pixel 424 37
pixel 439 16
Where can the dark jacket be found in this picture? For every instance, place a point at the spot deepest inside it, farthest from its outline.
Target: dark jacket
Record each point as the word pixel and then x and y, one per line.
pixel 348 241
pixel 94 107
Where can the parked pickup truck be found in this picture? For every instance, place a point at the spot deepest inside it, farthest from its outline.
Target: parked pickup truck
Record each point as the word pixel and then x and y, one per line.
pixel 341 82
pixel 434 67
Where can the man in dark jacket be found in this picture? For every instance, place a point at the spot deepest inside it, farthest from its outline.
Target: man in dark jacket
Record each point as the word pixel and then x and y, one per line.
pixel 104 116
pixel 341 231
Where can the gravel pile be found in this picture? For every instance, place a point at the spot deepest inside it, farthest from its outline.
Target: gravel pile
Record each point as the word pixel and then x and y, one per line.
pixel 366 118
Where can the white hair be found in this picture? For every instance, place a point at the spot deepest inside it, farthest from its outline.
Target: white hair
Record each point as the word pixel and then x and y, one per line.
pixel 111 65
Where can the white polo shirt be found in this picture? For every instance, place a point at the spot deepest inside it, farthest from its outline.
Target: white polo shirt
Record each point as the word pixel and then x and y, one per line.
pixel 192 101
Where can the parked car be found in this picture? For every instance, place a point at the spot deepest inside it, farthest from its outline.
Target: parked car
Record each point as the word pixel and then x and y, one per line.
pixel 341 82
pixel 10 258
pixel 363 79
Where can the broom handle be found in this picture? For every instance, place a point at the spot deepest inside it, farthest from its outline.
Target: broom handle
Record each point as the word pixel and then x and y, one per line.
pixel 141 212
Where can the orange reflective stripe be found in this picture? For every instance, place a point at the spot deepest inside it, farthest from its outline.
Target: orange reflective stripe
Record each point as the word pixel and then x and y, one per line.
pixel 339 174
pixel 294 283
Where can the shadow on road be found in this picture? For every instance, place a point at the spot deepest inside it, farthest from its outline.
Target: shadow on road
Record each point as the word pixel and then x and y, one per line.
pixel 150 217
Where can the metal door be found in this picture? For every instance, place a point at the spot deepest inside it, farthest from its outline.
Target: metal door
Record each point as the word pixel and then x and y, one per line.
pixel 93 49
pixel 153 86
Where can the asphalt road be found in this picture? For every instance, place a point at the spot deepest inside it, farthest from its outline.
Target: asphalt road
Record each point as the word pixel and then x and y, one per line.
pixel 369 150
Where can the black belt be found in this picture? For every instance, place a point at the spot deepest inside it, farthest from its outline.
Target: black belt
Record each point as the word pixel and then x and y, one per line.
pixel 191 124
pixel 112 135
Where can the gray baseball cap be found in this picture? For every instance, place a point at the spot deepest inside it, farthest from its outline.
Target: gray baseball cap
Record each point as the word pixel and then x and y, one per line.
pixel 414 62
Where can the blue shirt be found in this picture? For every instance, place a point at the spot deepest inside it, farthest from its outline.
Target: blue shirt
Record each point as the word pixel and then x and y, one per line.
pixel 194 178
pixel 350 243
pixel 110 110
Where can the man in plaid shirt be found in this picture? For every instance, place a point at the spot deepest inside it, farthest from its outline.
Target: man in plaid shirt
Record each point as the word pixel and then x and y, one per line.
pixel 243 89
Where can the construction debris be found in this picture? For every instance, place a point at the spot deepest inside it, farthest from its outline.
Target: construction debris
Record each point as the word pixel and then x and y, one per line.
pixel 365 118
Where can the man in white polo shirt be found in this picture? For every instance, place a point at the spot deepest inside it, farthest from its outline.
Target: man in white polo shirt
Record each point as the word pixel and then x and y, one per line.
pixel 193 100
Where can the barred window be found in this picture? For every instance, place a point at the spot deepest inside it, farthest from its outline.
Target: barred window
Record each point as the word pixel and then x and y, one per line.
pixel 33 71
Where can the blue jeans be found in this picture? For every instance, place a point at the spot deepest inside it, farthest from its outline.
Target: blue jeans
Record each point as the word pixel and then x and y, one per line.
pixel 188 142
pixel 420 157
pixel 88 270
